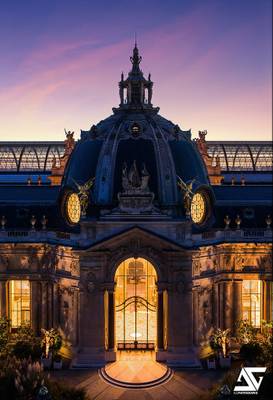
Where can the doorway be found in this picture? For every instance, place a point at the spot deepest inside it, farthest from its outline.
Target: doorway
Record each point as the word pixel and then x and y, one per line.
pixel 136 305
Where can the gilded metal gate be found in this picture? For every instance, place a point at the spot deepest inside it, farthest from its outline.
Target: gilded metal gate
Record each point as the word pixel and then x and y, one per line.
pixel 135 305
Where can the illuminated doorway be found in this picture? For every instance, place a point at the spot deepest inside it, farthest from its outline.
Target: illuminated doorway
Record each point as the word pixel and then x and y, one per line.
pixel 136 305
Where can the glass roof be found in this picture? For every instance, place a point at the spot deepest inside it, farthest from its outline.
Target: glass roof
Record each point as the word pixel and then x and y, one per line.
pixel 19 157
pixel 38 156
pixel 242 156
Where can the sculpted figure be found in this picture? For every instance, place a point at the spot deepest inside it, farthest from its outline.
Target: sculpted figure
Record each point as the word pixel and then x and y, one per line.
pixel 133 176
pixel 144 179
pixel 201 142
pixel 132 180
pixel 83 193
pixel 188 193
pixel 69 143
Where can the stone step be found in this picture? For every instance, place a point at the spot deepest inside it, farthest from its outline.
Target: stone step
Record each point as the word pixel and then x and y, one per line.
pixel 139 385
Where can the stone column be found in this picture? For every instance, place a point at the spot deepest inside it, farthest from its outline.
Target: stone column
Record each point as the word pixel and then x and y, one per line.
pixel 111 320
pixel 237 303
pixel 56 305
pixel 3 298
pixel 35 306
pixel 165 319
pixel 221 304
pixel 160 322
pixel 195 302
pixel 267 300
pixel 50 305
pixel 227 300
pixel 75 316
pixel 215 305
pixel 44 305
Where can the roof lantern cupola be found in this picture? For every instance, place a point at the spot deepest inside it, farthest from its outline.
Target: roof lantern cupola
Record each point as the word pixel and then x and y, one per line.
pixel 136 91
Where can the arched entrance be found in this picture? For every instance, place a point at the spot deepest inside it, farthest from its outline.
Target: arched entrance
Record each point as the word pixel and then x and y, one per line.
pixel 136 305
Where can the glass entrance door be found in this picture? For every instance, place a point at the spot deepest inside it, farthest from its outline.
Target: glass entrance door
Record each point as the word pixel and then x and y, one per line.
pixel 135 305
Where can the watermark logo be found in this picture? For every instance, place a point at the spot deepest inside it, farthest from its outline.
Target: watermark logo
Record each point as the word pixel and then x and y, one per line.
pixel 253 385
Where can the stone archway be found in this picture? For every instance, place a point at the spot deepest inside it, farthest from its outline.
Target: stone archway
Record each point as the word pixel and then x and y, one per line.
pixel 136 305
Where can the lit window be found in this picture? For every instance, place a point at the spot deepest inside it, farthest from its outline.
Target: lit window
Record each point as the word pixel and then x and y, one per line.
pixel 19 303
pixel 251 302
pixel 198 208
pixel 73 206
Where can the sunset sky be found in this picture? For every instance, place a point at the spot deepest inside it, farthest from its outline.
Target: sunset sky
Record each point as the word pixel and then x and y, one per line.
pixel 61 61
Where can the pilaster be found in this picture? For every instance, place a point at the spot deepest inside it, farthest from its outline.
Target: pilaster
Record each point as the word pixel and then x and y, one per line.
pixel 3 298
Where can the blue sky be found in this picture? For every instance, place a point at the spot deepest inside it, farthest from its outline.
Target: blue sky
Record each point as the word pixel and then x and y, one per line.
pixel 210 62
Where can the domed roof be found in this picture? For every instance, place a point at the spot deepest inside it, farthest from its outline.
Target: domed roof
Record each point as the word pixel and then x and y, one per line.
pixel 135 135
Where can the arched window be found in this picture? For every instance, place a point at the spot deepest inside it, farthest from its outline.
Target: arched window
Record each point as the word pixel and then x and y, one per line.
pixel 19 302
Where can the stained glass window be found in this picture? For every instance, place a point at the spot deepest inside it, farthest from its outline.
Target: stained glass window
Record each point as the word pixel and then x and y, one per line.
pixel 19 302
pixel 251 302
pixel 198 208
pixel 73 208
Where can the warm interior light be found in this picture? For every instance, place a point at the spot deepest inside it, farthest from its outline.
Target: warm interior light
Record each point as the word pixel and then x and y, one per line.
pixel 135 334
pixel 136 302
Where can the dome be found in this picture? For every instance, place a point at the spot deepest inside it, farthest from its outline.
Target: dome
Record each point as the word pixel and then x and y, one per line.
pixel 136 139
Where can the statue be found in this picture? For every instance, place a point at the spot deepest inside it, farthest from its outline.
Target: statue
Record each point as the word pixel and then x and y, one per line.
pixel 145 178
pixel 133 176
pixel 54 162
pixel 83 193
pixel 201 142
pixel 47 341
pixel 238 221
pixel 227 221
pixel 135 196
pixel 132 181
pixel 69 143
pixel 188 193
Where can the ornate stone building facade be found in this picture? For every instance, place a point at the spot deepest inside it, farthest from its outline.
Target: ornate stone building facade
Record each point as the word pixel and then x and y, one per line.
pixel 135 236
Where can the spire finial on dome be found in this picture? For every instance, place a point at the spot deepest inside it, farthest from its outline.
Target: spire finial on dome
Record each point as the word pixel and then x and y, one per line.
pixel 136 59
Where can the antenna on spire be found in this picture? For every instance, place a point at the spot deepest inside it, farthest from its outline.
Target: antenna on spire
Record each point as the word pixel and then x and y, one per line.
pixel 135 39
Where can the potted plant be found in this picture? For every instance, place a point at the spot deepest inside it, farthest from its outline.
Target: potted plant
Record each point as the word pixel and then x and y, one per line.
pixel 220 342
pixel 211 362
pixel 57 362
pixel 207 356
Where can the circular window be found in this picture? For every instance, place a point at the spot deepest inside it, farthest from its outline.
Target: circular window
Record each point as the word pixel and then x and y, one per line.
pixel 198 208
pixel 73 208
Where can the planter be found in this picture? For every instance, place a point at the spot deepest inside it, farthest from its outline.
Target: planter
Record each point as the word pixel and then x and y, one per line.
pixel 225 362
pixel 57 364
pixel 211 363
pixel 46 362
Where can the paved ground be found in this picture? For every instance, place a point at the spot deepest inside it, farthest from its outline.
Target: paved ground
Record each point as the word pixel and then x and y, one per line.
pixel 185 385
pixel 136 369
